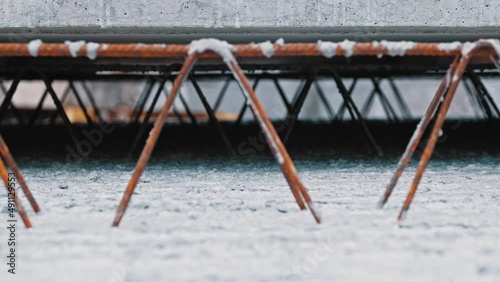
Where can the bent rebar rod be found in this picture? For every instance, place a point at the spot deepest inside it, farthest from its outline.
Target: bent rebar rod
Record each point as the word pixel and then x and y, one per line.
pixel 419 132
pixel 441 116
pixel 4 151
pixel 281 155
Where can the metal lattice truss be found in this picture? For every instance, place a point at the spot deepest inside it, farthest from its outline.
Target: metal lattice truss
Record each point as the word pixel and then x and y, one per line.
pixel 200 51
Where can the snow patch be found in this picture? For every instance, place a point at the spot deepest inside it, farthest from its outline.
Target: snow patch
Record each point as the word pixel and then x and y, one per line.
pixel 449 46
pixel 448 80
pixel 467 47
pixel 495 43
pixel 376 44
pixel 267 48
pixel 280 41
pixel 348 47
pixel 397 48
pixel 33 47
pixel 329 49
pixel 215 45
pixel 74 47
pixel 92 50
pixel 412 139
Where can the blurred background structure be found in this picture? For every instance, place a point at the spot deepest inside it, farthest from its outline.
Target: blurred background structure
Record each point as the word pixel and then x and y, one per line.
pixel 395 90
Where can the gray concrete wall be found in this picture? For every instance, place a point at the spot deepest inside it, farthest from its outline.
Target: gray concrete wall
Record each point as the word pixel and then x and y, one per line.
pixel 258 13
pixel 244 18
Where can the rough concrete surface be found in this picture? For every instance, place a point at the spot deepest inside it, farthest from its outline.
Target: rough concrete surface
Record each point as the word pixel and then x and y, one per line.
pixel 213 219
pixel 241 19
pixel 258 13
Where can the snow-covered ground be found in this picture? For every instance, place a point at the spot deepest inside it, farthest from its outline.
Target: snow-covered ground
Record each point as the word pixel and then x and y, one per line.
pixel 209 219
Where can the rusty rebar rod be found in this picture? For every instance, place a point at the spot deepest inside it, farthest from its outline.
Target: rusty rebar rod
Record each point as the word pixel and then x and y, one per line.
pixel 177 114
pixel 19 207
pixel 278 149
pixel 274 142
pixel 4 151
pixel 419 132
pixel 244 108
pixel 153 137
pixel 135 50
pixel 441 116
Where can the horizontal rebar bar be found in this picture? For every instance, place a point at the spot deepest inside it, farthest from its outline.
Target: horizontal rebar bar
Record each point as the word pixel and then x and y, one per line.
pixel 140 50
